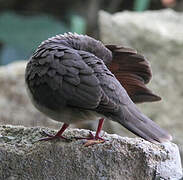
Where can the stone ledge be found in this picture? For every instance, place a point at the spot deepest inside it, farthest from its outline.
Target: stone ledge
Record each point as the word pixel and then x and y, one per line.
pixel 23 158
pixel 158 36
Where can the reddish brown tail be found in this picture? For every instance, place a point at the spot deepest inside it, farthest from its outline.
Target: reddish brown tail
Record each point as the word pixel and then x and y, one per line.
pixel 133 72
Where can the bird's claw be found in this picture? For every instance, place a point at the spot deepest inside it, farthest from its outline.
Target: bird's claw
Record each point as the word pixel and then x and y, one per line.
pixel 91 140
pixel 51 137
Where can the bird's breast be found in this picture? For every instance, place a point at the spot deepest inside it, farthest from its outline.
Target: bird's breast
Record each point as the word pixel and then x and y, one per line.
pixel 65 114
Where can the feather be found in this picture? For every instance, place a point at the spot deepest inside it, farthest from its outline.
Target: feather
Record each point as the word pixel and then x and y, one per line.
pixel 133 72
pixel 131 118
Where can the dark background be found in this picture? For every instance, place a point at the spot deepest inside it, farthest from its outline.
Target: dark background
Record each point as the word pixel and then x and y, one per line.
pixel 24 24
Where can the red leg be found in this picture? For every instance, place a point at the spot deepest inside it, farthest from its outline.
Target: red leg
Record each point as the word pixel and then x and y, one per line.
pixel 94 139
pixel 99 128
pixel 57 135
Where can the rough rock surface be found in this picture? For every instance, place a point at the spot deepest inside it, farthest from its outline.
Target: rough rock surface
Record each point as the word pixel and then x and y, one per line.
pixel 159 36
pixel 15 106
pixel 22 157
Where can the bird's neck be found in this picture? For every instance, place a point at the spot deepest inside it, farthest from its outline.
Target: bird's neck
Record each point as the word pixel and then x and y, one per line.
pixel 86 43
pixel 93 46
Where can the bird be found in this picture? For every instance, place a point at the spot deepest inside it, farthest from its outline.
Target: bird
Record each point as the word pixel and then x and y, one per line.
pixel 75 78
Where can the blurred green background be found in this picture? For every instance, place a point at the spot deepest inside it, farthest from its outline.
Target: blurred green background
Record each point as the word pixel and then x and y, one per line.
pixel 24 24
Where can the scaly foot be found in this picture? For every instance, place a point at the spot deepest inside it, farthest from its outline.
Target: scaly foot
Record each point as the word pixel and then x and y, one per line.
pixel 58 135
pixel 51 137
pixel 91 140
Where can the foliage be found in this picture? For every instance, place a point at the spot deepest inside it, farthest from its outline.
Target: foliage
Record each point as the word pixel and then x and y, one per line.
pixel 20 35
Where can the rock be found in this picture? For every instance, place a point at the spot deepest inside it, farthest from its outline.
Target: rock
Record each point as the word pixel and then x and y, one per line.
pixel 159 36
pixel 23 157
pixel 15 106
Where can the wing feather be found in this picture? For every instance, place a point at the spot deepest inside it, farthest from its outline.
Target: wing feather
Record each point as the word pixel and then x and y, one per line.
pixel 133 71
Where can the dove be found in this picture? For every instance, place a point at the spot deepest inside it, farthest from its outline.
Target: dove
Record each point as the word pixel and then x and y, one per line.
pixel 75 78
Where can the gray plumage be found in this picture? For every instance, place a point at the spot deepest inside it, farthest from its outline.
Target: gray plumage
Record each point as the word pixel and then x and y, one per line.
pixel 68 80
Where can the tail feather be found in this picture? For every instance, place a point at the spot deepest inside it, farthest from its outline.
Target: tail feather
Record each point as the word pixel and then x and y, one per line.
pixel 139 124
pixel 133 71
pixel 136 89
